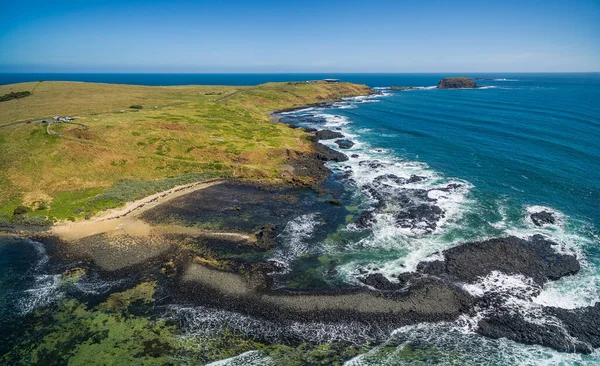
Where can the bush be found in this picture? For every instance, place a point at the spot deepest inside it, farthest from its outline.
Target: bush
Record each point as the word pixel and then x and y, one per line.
pixel 32 220
pixel 14 95
pixel 132 189
pixel 136 106
pixel 20 210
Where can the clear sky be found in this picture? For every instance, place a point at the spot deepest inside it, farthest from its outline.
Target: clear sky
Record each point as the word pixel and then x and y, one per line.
pixel 299 36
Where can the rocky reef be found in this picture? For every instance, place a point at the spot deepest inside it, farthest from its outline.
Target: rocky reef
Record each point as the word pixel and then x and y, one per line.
pixel 457 83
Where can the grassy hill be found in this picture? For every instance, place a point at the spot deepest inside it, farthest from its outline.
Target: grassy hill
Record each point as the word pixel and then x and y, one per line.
pixel 122 156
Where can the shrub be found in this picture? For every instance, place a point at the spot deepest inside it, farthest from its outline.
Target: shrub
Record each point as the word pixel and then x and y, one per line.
pixel 14 95
pixel 20 210
pixel 33 220
pixel 132 189
pixel 136 106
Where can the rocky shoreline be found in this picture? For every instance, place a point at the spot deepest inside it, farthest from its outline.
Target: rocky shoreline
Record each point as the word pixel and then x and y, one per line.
pixel 191 268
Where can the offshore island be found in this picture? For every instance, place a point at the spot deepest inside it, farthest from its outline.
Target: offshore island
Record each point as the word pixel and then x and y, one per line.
pixel 179 195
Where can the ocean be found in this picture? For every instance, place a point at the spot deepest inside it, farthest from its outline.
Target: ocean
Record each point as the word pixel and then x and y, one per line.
pixel 487 158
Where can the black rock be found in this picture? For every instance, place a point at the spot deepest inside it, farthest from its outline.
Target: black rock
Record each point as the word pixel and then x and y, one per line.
pixel 327 154
pixel 365 220
pixel 354 155
pixel 372 164
pixel 335 202
pixel 533 258
pixel 415 179
pixel 582 323
pixel 328 135
pixel 380 282
pixel 265 239
pixel 422 216
pixel 400 181
pixel 513 326
pixel 344 144
pixel 542 218
pixel 310 130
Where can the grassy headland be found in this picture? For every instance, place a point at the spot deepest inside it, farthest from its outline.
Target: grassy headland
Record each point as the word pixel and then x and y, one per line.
pixel 182 134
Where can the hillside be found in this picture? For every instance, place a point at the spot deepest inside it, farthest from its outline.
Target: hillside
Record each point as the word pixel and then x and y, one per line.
pixel 182 134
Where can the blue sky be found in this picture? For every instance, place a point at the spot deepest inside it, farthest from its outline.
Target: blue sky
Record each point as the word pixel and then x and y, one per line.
pixel 299 36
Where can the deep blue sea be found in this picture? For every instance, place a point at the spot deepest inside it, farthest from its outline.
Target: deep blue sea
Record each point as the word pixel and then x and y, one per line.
pixel 521 144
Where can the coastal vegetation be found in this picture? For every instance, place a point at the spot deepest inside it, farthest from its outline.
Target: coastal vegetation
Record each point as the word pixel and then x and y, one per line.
pixel 124 156
pixel 121 330
pixel 15 95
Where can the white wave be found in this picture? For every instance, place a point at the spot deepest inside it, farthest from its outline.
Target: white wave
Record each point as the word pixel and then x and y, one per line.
pixel 572 292
pixel 94 285
pixel 198 322
pixel 41 253
pixel 502 283
pixel 294 239
pixel 250 358
pixel 504 79
pixel 46 287
pixel 303 110
pixel 453 346
pixel 46 290
pixel 332 120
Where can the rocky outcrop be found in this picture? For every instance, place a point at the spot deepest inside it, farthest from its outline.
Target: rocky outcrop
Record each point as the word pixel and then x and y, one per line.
pixel 325 153
pixel 265 239
pixel 542 218
pixel 456 83
pixel 532 258
pixel 582 323
pixel 344 144
pixel 514 326
pixel 327 135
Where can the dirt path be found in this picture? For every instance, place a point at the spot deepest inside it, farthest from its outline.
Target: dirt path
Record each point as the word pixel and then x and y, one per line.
pixel 125 219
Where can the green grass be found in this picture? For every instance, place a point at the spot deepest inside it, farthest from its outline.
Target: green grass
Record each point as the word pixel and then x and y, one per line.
pixel 188 134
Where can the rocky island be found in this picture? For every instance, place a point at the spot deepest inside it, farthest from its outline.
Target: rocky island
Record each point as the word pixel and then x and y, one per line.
pixel 457 83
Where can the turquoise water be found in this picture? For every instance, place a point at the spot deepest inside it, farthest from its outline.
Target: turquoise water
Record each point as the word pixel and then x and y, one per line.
pixel 489 157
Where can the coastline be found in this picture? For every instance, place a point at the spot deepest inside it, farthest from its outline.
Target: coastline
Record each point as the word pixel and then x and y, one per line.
pixel 430 295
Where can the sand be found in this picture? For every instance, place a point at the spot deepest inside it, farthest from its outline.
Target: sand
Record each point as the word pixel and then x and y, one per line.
pixel 125 219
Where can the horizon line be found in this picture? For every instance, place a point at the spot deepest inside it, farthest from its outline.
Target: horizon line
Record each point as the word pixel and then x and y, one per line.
pixel 300 72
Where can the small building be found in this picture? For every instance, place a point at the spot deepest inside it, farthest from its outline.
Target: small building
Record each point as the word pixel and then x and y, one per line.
pixel 332 81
